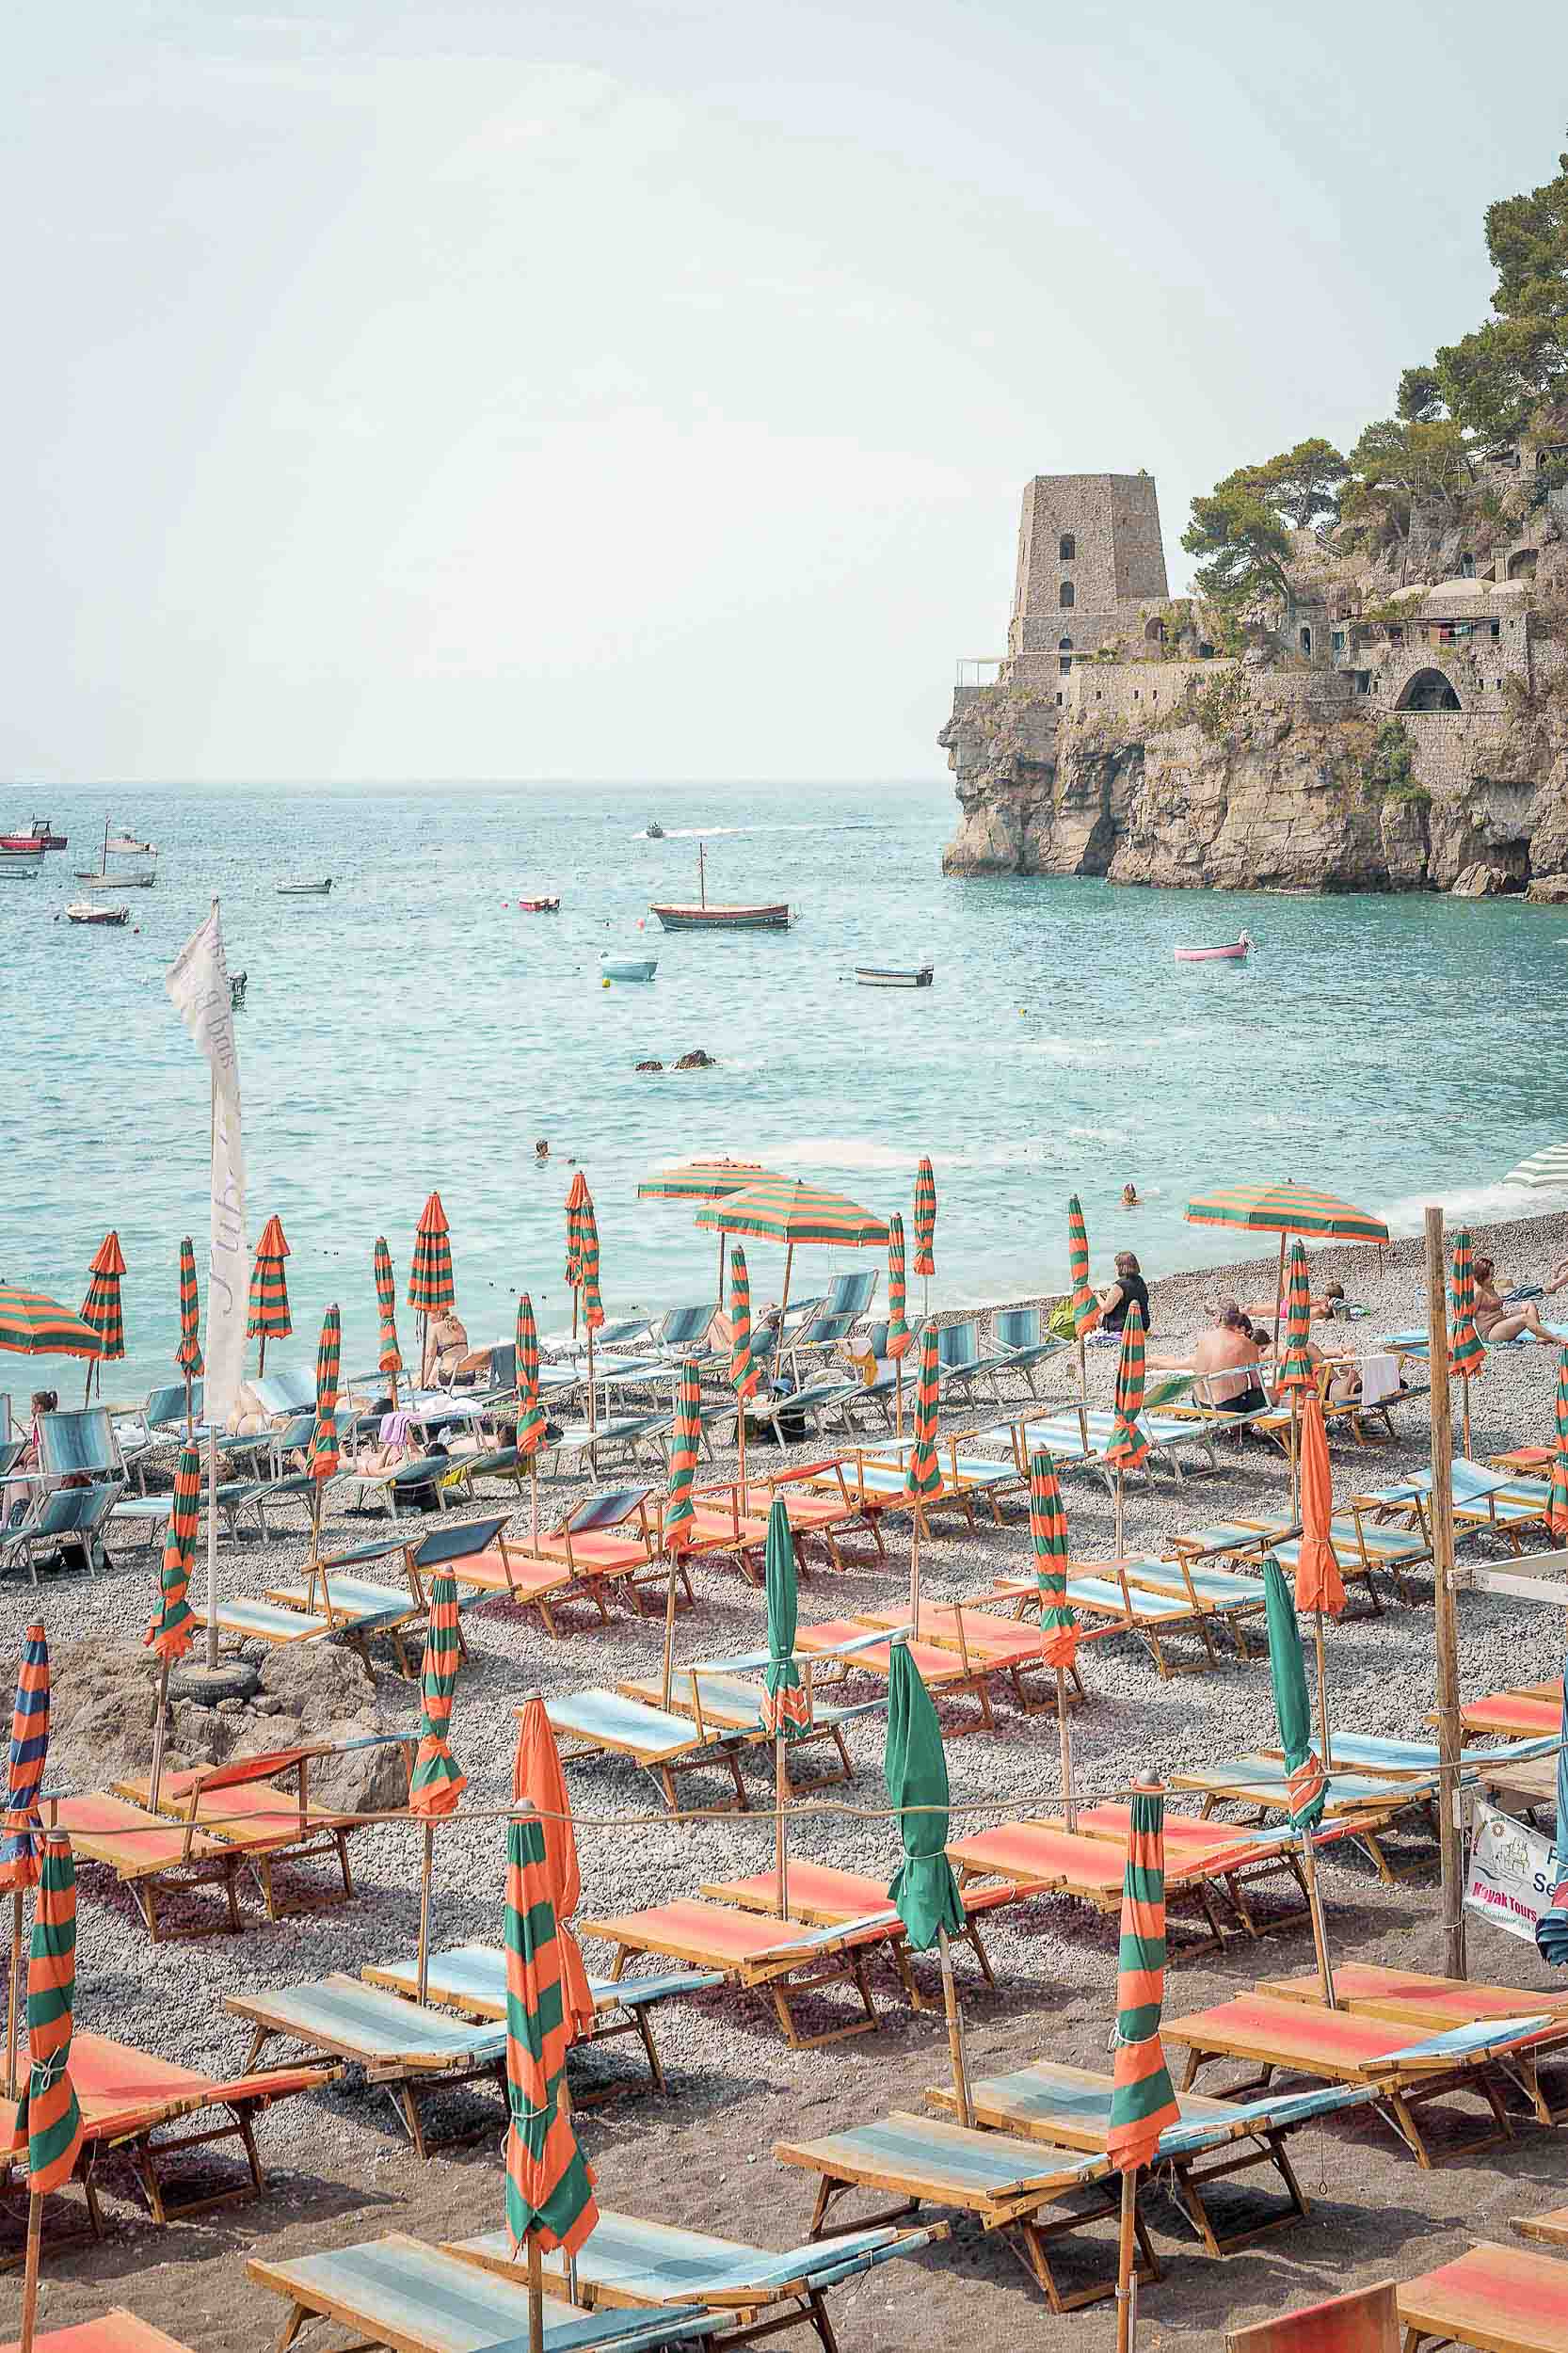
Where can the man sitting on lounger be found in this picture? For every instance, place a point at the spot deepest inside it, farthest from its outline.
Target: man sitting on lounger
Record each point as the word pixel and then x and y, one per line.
pixel 1225 1361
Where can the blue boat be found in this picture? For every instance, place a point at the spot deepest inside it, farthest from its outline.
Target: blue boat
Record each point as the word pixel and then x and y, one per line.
pixel 628 967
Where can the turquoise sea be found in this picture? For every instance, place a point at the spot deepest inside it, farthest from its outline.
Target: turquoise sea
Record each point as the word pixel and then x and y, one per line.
pixel 414 1030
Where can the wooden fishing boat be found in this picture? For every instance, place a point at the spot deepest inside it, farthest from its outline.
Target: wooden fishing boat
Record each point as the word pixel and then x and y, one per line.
pixel 540 907
pixel 628 967
pixel 94 911
pixel 304 890
pixel 713 917
pixel 891 976
pixel 1233 951
pixel 41 835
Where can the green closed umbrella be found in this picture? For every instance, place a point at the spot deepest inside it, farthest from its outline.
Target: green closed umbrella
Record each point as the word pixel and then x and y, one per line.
pixel 924 1893
pixel 1306 1786
pixel 786 1710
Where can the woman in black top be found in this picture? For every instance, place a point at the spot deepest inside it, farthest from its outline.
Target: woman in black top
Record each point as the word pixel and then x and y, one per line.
pixel 1128 1285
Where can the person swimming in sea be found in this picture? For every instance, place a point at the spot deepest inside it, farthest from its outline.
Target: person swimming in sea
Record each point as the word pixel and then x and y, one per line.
pixel 1130 1197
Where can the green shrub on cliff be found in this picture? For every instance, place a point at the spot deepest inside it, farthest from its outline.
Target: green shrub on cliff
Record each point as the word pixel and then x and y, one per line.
pixel 1385 772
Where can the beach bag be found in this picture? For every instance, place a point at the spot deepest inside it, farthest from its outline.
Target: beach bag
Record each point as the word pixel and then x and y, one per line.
pixel 1059 1323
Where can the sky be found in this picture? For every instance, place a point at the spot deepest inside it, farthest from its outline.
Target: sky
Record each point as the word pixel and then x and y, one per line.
pixel 644 388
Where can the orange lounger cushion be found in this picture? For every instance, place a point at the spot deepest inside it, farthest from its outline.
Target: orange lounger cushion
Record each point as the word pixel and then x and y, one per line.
pixel 936 1666
pixel 122 2089
pixel 821 1891
pixel 1339 2042
pixel 249 1816
pixel 1521 1712
pixel 1034 1854
pixel 1409 1997
pixel 118 2331
pixel 1491 2296
pixel 710 1934
pixel 106 1829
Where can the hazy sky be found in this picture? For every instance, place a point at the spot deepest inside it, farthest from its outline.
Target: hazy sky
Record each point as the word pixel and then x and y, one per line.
pixel 644 387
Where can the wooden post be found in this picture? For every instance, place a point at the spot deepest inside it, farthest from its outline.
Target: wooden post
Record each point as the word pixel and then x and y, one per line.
pixel 1450 1829
pixel 955 2033
pixel 1126 2283
pixel 535 2296
pixel 781 1823
pixel 1322 1694
pixel 212 1549
pixel 669 1631
pixel 29 2285
pixel 915 1576
pixel 1314 1914
pixel 160 1707
pixel 426 1874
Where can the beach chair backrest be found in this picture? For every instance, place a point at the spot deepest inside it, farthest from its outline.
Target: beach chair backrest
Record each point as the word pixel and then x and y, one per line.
pixel 684 1327
pixel 1366 2321
pixel 956 1346
pixel 11 1452
pixel 295 1433
pixel 606 1510
pixel 1017 1327
pixel 457 1541
pixel 167 1404
pixel 876 1340
pixel 827 1330
pixel 81 1440
pixel 851 1294
pixel 1167 1392
pixel 75 1511
pixel 504 1366
pixel 291 1390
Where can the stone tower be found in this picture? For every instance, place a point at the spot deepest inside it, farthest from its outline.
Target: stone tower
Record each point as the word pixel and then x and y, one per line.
pixel 1089 552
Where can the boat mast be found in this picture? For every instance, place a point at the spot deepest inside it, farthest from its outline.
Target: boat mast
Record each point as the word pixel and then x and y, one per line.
pixel 701 875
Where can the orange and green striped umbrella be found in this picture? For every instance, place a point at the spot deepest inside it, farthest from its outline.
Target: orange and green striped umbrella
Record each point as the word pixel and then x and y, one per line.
pixel 539 1781
pixel 679 1506
pixel 435 1784
pixel 1466 1349
pixel 1085 1306
pixel 925 1217
pixel 321 1460
pixel 785 1709
pixel 1556 1504
pixel 1284 1209
pixel 170 1632
pixel 19 1848
pixel 1048 1528
pixel 1307 1787
pixel 899 1334
pixel 745 1372
pixel 577 1193
pixel 48 2122
pixel 582 1255
pixel 101 1307
pixel 549 2182
pixel 1318 1583
pixel 1142 2104
pixel 430 1284
pixel 390 1357
pixel 33 1325
pixel 1295 1371
pixel 531 1414
pixel 923 1472
pixel 782 1210
pixel 1129 1448
pixel 268 1316
pixel 187 1357
pixel 704 1181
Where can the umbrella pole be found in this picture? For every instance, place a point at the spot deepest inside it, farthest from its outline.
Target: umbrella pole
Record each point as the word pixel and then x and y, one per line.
pixel 1126 2285
pixel 784 1302
pixel 212 1549
pixel 721 1269
pixel 1314 1909
pixel 533 1490
pixel 1121 1510
pixel 160 1704
pixel 1070 1802
pixel 190 1420
pixel 1322 1693
pixel 87 1396
pixel 592 1423
pixel 782 1832
pixel 1295 1454
pixel 29 2285
pixel 669 1632
pixel 10 1993
pixel 262 1367
pixel 898 1392
pixel 425 1877
pixel 1464 1387
pixel 1279 1290
pixel 955 2033
pixel 915 1576
pixel 535 2296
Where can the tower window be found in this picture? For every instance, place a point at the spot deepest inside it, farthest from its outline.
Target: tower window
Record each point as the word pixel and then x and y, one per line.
pixel 1067 547
pixel 1063 645
pixel 1065 596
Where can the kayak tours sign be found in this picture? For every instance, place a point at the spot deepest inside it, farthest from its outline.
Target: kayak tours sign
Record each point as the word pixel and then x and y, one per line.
pixel 199 988
pixel 1512 1874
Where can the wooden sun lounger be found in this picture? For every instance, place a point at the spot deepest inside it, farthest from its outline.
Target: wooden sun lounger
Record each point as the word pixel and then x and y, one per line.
pixel 824 1897
pixel 1500 2299
pixel 1006 2185
pixel 1360 1548
pixel 148 1856
pixel 472 1980
pixel 407 2049
pixel 354 1609
pixel 818 1500
pixel 1231 1854
pixel 1408 1997
pixel 114 2331
pixel 1173 1594
pixel 1365 1805
pixel 729 1703
pixel 757 1955
pixel 1550 2229
pixel 1044 1858
pixel 397 2293
pixel 509 1570
pixel 942 1672
pixel 986 1644
pixel 660 1743
pixel 632 2264
pixel 266 1826
pixel 1070 2107
pixel 1337 2046
pixel 130 2099
pixel 1532 1712
pixel 1365 2321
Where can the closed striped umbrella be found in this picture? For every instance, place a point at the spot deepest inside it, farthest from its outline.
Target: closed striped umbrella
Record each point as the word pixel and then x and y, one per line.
pixel 436 1783
pixel 923 1472
pixel 430 1284
pixel 745 1369
pixel 1307 1788
pixel 267 1317
pixel 19 1848
pixel 1551 1927
pixel 1129 1448
pixel 1556 1502
pixel 48 2122
pixel 1048 1528
pixel 577 1193
pixel 899 1334
pixel 1142 2104
pixel 680 1505
pixel 1318 1583
pixel 548 2183
pixel 101 1307
pixel 321 1460
pixel 786 1711
pixel 1085 1306
pixel 187 1357
pixel 583 1256
pixel 1284 1209
pixel 1466 1349
pixel 1547 1171
pixel 170 1632
pixel 539 1781
pixel 531 1414
pixel 390 1357
pixel 925 1218
pixel 1295 1371
pixel 33 1325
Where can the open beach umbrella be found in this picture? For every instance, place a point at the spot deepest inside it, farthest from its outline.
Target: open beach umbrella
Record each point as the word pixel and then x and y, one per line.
pixel 899 1338
pixel 532 1417
pixel 1086 1308
pixel 786 1709
pixel 924 1893
pixel 322 1458
pixel 187 1357
pixel 267 1317
pixel 1551 1929
pixel 1048 1530
pixel 1128 1448
pixel 680 1505
pixel 1557 1501
pixel 923 1472
pixel 1547 1171
pixel 782 1210
pixel 745 1369
pixel 1296 1377
pixel 705 1180
pixel 1466 1349
pixel 539 1781
pixel 33 1325
pixel 550 2197
pixel 1284 1209
pixel 1306 1784
pixel 1319 1586
pixel 925 1224
pixel 436 1783
pixel 101 1307
pixel 48 2120
pixel 1142 2103
pixel 390 1359
pixel 23 1832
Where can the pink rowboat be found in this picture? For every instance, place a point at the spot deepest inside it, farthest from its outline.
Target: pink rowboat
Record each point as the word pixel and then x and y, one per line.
pixel 1234 952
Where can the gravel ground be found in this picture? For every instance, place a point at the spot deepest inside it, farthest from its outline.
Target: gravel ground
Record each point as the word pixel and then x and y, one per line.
pixel 341 2169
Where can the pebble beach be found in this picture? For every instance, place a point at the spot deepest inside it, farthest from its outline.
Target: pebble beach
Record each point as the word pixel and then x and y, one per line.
pixel 339 2166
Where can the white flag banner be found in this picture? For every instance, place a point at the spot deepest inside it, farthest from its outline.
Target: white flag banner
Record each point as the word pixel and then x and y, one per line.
pixel 199 985
pixel 1512 1872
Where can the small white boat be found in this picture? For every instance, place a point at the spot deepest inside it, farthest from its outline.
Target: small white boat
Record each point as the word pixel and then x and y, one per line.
pixel 892 976
pixel 304 890
pixel 94 911
pixel 628 967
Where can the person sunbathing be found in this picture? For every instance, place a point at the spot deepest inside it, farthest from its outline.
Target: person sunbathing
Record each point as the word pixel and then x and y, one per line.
pixel 1497 1320
pixel 1224 1362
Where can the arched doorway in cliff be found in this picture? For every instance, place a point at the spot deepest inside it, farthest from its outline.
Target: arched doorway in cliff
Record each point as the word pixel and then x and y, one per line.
pixel 1428 690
